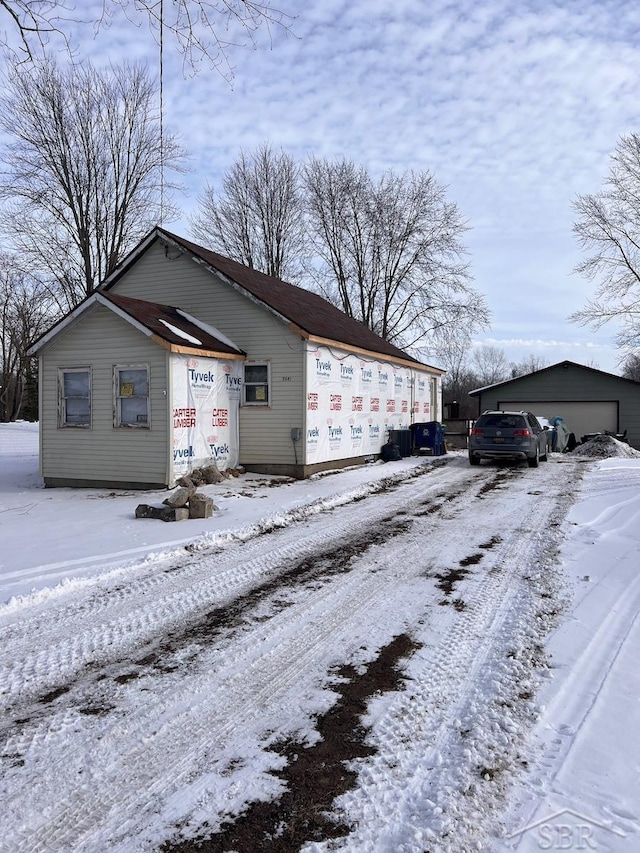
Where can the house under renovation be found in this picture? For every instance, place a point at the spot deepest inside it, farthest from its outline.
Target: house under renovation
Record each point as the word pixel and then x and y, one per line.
pixel 184 357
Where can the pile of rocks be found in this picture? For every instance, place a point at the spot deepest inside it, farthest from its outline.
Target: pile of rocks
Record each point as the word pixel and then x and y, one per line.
pixel 185 501
pixel 208 475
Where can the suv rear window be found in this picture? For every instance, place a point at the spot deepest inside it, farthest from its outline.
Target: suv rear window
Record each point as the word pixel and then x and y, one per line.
pixel 501 421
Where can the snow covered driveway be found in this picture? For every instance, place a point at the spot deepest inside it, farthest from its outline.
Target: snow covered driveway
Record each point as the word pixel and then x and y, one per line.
pixel 159 709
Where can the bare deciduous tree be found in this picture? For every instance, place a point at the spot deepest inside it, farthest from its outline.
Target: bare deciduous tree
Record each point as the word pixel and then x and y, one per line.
pixel 491 365
pixel 530 364
pixel 25 312
pixel 389 252
pixel 258 217
pixel 84 170
pixel 450 352
pixel 631 367
pixel 34 23
pixel 207 30
pixel 456 385
pixel 608 226
pixel 468 368
pixel 203 30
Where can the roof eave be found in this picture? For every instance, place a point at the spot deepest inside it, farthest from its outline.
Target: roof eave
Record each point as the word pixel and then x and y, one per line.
pixel 199 351
pixel 377 355
pixel 132 258
pixel 565 362
pixel 98 298
pixel 69 320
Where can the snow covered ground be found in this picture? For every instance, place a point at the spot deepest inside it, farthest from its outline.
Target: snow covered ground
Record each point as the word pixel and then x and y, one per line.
pixel 150 672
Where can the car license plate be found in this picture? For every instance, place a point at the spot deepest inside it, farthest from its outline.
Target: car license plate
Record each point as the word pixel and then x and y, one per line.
pixel 498 440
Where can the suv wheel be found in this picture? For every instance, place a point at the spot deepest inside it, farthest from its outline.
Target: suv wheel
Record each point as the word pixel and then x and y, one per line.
pixel 474 460
pixel 533 460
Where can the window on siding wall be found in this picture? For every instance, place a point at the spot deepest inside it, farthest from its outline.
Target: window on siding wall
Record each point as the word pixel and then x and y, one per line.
pixel 256 384
pixel 74 389
pixel 131 387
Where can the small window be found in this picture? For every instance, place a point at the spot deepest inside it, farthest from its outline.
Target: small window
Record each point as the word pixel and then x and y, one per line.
pixel 75 397
pixel 256 384
pixel 131 387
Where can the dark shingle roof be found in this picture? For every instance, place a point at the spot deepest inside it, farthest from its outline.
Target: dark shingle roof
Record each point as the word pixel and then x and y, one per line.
pixel 154 317
pixel 308 311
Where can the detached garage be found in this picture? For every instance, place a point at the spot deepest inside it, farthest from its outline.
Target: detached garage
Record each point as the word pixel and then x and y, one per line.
pixel 588 400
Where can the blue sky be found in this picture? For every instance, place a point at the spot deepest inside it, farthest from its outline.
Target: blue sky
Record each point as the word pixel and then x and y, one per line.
pixel 515 106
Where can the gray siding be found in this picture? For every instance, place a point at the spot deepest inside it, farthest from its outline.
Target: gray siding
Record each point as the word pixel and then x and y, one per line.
pixel 265 433
pixel 573 383
pixel 104 453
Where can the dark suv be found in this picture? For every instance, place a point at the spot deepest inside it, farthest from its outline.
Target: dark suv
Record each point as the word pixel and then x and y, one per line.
pixel 508 435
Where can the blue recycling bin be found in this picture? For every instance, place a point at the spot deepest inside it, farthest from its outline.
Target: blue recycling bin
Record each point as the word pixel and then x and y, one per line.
pixel 429 436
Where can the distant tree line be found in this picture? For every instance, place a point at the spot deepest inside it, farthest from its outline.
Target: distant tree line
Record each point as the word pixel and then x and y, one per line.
pixel 470 368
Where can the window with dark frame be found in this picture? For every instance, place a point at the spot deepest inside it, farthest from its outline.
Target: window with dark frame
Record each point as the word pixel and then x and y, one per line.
pixel 131 386
pixel 256 384
pixel 74 388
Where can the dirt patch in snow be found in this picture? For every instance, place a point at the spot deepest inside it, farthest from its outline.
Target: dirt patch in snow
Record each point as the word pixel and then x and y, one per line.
pixel 314 775
pixel 447 581
pixel 605 447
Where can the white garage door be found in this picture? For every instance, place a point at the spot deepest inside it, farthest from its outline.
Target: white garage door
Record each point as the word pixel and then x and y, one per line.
pixel 579 418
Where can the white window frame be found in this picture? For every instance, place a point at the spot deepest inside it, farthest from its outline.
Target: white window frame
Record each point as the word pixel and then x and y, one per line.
pixel 260 403
pixel 63 423
pixel 117 397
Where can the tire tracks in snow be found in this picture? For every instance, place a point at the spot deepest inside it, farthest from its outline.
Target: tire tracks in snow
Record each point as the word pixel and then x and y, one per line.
pixel 105 626
pixel 98 781
pixel 469 701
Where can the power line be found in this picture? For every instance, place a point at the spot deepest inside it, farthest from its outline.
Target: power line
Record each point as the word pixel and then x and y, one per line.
pixel 161 43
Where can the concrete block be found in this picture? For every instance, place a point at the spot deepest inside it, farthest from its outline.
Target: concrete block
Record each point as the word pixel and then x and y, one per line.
pixel 162 513
pixel 180 496
pixel 200 506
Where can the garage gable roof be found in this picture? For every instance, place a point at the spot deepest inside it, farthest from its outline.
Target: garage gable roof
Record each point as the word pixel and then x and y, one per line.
pixel 559 365
pixel 312 315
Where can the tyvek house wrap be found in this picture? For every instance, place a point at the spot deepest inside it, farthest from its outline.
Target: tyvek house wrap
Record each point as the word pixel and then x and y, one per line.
pixel 352 402
pixel 204 412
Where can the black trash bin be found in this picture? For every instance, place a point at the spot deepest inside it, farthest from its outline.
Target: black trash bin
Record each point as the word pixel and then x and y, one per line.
pixel 401 437
pixel 429 436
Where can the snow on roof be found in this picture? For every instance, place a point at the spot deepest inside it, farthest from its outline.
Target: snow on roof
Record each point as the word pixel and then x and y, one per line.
pixel 180 332
pixel 209 329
